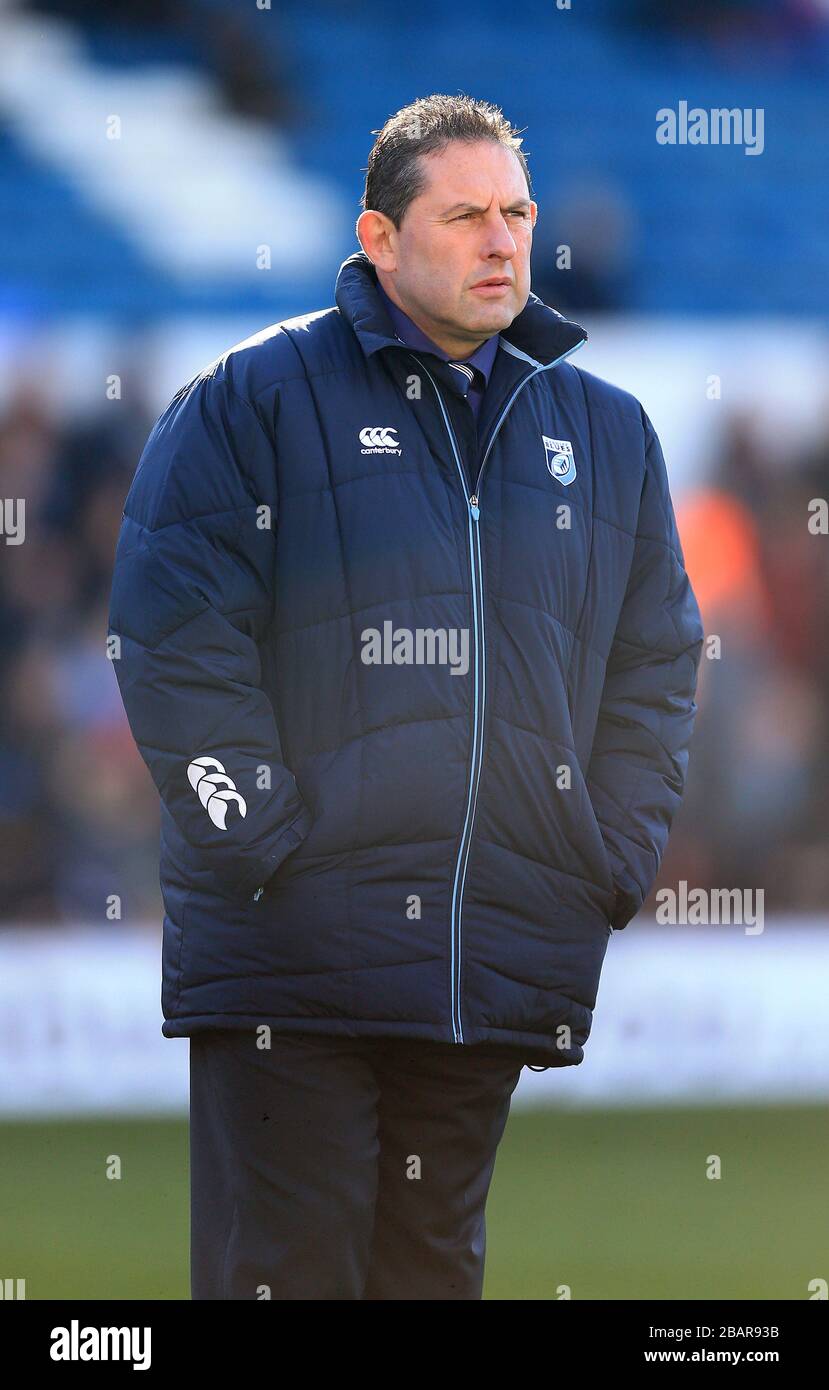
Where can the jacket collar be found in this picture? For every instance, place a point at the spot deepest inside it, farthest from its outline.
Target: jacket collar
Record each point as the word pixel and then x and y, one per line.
pixel 538 332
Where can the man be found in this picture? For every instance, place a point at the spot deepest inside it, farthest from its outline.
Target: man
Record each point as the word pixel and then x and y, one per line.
pixel 407 643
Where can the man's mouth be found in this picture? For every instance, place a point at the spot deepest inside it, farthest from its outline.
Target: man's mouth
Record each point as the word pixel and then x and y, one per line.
pixel 497 284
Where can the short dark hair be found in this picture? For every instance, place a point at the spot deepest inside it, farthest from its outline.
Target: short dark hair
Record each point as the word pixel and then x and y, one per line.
pixel 395 174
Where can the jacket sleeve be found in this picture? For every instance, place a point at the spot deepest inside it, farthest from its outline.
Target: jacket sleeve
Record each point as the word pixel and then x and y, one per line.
pixel 639 757
pixel 192 594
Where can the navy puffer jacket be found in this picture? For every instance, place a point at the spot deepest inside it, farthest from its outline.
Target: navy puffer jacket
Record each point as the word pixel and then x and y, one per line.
pixel 417 707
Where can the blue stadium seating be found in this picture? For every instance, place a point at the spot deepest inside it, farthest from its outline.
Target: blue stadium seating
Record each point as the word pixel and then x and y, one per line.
pixel 716 230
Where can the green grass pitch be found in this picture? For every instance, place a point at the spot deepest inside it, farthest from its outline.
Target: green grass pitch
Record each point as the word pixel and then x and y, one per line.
pixel 613 1204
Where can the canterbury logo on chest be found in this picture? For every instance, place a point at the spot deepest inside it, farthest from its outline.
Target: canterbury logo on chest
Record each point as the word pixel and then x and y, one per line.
pixel 380 439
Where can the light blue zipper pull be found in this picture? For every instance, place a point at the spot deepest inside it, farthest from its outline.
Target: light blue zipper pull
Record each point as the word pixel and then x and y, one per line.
pixel 474 508
pixel 257 895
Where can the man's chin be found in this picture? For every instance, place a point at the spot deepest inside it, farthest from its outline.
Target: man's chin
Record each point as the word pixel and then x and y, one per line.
pixel 491 318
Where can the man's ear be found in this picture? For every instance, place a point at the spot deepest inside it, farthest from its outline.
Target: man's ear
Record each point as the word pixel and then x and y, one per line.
pixel 377 235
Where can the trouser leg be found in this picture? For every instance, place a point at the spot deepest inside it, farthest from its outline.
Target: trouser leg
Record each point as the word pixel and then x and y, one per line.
pixel 442 1112
pixel 283 1166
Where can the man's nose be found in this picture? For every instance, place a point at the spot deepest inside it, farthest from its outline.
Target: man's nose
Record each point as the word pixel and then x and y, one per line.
pixel 499 240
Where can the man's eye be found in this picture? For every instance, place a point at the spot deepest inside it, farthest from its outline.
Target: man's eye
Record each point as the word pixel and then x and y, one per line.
pixel 462 216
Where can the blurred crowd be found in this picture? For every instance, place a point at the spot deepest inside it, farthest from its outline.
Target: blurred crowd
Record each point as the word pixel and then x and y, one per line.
pixel 756 809
pixel 79 812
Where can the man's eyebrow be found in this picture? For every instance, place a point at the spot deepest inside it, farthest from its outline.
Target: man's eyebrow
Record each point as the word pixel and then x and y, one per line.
pixel 472 207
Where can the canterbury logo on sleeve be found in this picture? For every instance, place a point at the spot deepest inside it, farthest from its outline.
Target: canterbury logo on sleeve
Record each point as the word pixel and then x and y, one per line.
pixel 216 791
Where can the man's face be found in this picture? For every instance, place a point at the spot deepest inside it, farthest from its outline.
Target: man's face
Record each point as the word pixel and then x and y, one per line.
pixel 473 222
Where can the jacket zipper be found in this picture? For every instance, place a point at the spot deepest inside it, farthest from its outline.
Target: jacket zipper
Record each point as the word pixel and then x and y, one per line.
pixel 473 503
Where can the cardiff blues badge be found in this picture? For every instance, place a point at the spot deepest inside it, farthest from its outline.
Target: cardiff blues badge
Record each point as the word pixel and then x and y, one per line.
pixel 560 459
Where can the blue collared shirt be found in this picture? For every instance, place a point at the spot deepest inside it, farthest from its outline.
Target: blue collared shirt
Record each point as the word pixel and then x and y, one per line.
pixel 478 365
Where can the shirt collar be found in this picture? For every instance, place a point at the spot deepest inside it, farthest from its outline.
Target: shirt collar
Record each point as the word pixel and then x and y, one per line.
pixel 408 332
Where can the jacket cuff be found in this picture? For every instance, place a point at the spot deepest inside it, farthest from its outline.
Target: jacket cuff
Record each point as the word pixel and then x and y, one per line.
pixel 285 843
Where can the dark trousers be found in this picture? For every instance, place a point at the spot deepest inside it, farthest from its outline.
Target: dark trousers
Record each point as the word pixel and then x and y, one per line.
pixel 331 1168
